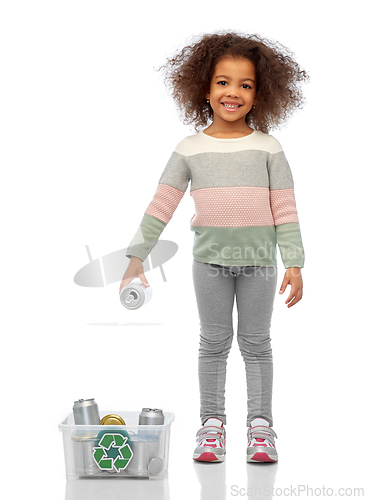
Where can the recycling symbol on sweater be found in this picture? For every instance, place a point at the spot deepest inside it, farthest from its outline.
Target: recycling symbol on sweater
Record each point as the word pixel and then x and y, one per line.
pixel 113 452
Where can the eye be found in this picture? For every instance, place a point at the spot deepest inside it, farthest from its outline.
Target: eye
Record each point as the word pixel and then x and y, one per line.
pixel 244 85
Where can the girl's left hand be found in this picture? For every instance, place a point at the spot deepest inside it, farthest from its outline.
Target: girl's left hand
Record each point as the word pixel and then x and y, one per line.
pixel 293 277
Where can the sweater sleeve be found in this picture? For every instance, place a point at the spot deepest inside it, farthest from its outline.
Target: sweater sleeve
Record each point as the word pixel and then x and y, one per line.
pixel 283 208
pixel 170 190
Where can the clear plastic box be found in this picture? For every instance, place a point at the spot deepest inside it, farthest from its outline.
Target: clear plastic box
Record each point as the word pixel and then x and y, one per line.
pixel 106 451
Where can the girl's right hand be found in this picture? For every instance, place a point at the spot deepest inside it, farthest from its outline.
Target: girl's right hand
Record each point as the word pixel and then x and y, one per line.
pixel 134 270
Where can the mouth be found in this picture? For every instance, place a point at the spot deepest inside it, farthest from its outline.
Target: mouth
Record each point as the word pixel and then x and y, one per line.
pixel 231 106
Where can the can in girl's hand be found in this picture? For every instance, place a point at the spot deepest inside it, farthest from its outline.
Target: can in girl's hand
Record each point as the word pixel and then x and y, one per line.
pixel 135 294
pixel 86 412
pixel 151 416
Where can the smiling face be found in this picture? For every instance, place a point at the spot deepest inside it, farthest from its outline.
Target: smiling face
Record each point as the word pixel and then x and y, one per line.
pixel 232 93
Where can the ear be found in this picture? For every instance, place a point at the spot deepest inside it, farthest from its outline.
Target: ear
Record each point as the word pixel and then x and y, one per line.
pixel 207 96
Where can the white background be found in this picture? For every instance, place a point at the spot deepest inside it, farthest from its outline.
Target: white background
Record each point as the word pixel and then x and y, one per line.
pixel 87 127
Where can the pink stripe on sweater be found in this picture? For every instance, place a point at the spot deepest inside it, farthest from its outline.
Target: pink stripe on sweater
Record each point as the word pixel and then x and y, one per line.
pixel 164 202
pixel 283 206
pixel 235 206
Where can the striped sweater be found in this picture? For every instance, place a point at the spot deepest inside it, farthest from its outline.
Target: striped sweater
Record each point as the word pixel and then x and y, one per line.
pixel 244 202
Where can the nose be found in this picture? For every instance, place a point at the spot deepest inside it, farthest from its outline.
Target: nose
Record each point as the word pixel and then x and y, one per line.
pixel 231 92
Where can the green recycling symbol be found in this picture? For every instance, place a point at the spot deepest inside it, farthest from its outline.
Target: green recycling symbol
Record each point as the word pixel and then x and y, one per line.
pixel 113 451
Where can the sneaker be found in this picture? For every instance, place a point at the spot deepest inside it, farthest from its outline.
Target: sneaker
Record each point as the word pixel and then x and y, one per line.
pixel 211 439
pixel 261 442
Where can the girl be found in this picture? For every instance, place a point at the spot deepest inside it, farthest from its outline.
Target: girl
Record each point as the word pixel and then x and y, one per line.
pixel 242 186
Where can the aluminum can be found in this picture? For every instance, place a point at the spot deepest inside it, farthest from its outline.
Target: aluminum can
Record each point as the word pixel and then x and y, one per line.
pixel 135 294
pixel 112 420
pixel 83 446
pixel 86 412
pixel 151 416
pixel 145 461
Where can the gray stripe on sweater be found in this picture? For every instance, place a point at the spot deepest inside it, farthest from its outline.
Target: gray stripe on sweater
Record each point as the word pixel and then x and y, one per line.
pixel 241 168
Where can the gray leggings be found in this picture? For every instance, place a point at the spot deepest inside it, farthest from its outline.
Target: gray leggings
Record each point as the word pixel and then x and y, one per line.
pixel 215 289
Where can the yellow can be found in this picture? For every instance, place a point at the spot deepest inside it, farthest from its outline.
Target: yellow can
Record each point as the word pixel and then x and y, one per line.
pixel 112 420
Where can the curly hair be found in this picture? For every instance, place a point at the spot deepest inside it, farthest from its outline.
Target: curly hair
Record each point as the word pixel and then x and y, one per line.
pixel 189 72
